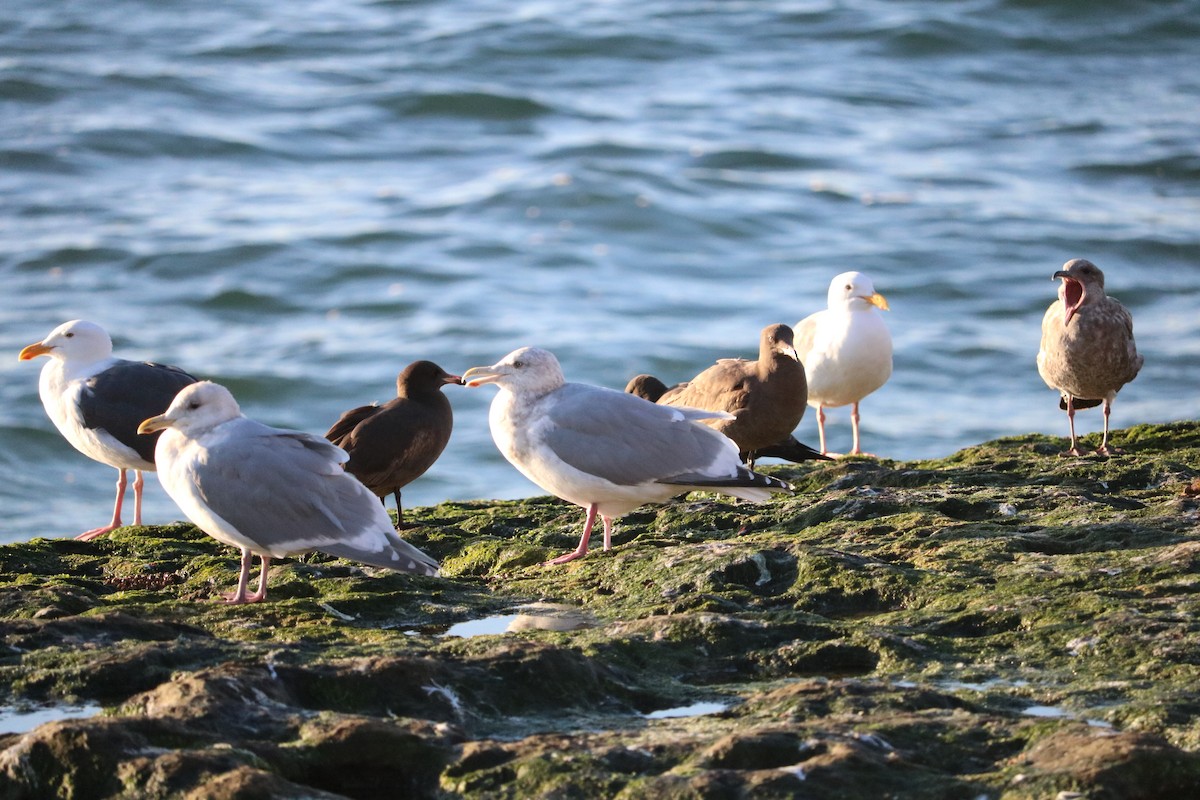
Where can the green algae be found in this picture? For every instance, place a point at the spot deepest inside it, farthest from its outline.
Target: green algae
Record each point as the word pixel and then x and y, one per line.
pixel 929 629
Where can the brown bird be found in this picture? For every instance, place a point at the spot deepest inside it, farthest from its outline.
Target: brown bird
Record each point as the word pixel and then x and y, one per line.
pixel 393 444
pixel 1087 350
pixel 651 388
pixel 767 396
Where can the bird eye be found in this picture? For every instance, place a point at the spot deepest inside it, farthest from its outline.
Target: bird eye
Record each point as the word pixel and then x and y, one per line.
pixel 69 334
pixel 849 288
pixel 192 406
pixel 518 364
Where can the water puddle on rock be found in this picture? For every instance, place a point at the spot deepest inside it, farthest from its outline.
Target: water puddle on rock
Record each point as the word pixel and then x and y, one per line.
pixel 529 617
pixel 1057 712
pixel 694 710
pixel 23 720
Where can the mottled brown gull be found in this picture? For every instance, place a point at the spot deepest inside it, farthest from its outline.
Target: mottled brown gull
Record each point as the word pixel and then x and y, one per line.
pixel 269 492
pixel 97 401
pixel 604 450
pixel 1087 352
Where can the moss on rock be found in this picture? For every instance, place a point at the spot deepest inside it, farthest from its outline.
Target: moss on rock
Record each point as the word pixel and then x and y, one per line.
pixel 1004 622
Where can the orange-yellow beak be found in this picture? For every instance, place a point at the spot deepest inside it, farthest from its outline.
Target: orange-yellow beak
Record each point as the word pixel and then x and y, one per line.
pixel 33 351
pixel 478 376
pixel 877 300
pixel 154 424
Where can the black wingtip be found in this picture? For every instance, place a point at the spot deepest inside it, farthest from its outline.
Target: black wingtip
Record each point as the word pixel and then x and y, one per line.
pixel 790 450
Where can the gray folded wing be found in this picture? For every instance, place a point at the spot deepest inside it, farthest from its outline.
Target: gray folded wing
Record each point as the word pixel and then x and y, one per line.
pixel 629 441
pixel 287 492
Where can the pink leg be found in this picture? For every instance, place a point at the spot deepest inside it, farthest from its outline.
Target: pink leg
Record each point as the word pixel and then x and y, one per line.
pixel 238 596
pixel 265 564
pixel 1074 451
pixel 582 549
pixel 821 428
pixel 1104 449
pixel 856 450
pixel 138 483
pixel 608 528
pixel 87 536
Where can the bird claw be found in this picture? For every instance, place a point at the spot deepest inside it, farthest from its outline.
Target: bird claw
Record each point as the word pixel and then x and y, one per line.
pixel 234 599
pixel 1109 450
pixel 1074 451
pixel 96 533
pixel 563 559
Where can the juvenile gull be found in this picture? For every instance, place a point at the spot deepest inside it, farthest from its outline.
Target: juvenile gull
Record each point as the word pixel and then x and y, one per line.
pixel 394 444
pixel 269 492
pixel 1087 351
pixel 96 401
pixel 606 451
pixel 766 397
pixel 846 349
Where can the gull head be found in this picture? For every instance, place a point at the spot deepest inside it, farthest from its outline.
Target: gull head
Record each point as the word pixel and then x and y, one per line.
pixel 78 341
pixel 197 408
pixel 1082 283
pixel 526 370
pixel 854 291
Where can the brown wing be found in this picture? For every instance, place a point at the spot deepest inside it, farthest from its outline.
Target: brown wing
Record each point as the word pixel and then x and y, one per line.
pixel 339 432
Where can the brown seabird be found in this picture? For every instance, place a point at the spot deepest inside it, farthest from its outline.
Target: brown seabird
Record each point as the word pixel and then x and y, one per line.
pixel 97 401
pixel 766 397
pixel 394 444
pixel 1087 352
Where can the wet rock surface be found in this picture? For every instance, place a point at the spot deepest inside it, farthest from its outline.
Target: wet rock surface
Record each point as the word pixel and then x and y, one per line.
pixel 1006 622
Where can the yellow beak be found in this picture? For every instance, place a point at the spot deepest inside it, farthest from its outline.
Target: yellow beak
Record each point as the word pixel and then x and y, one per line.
pixel 878 300
pixel 33 351
pixel 478 376
pixel 154 424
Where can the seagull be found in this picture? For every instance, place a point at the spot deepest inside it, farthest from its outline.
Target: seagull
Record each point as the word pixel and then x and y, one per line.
pixel 394 444
pixel 604 450
pixel 766 397
pixel 846 349
pixel 96 401
pixel 269 492
pixel 1087 351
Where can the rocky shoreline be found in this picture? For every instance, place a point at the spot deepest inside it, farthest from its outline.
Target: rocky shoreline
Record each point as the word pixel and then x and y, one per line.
pixel 1002 623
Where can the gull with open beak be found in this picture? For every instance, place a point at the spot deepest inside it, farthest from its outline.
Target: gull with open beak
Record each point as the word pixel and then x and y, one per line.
pixel 1087 352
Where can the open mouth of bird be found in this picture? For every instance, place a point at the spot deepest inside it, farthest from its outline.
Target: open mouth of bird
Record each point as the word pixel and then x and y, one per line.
pixel 1072 296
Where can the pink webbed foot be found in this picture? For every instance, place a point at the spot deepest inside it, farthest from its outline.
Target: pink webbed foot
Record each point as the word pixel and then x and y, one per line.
pixel 235 599
pixel 563 559
pixel 96 533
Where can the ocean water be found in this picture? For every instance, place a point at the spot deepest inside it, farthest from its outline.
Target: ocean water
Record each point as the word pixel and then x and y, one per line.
pixel 298 198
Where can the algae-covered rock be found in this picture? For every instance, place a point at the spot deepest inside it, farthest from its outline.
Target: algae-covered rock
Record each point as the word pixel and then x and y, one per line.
pixel 1005 622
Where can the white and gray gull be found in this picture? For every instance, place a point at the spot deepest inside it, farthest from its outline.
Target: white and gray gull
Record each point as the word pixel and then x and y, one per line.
pixel 269 492
pixel 1087 351
pixel 846 349
pixel 97 401
pixel 605 450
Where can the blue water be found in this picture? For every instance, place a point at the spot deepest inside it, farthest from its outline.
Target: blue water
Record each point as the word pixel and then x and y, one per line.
pixel 298 198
